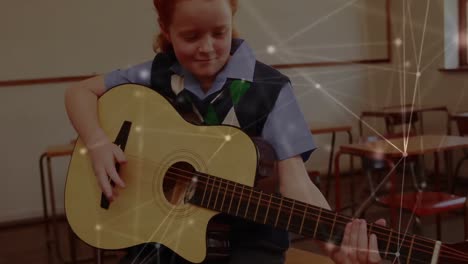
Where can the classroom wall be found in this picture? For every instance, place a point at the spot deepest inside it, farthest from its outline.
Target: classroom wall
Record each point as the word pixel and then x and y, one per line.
pixel 56 38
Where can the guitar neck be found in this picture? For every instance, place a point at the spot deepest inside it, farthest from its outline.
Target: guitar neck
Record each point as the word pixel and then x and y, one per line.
pixel 310 221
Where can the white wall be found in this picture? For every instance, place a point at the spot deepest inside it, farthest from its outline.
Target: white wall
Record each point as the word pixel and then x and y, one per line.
pixel 57 38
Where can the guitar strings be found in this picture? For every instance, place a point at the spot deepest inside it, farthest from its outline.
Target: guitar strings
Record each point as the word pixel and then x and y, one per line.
pixel 398 235
pixel 462 254
pixel 403 245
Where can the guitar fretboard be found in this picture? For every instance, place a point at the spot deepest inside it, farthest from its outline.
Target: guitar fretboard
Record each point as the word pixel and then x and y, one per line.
pixel 310 221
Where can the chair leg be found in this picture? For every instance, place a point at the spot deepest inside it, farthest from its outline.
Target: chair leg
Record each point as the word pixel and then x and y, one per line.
pixel 417 227
pixel 466 218
pixel 438 227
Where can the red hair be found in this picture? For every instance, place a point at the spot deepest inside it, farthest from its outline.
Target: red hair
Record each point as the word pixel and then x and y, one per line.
pixel 165 10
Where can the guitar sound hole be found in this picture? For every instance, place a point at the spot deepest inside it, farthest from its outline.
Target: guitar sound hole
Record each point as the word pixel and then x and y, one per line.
pixel 176 182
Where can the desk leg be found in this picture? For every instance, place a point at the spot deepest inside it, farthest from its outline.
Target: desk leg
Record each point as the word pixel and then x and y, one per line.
pixel 436 172
pixel 437 188
pixel 48 238
pixel 351 169
pixel 337 182
pixel 448 168
pixel 330 161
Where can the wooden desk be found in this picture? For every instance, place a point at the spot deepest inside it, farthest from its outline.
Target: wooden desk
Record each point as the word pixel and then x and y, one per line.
pixel 333 131
pixel 393 149
pixel 401 110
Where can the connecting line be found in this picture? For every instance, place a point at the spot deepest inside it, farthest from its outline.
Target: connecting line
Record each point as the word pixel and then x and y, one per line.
pixel 401 207
pixel 302 31
pixel 366 203
pixel 416 85
pixel 357 117
pixel 152 235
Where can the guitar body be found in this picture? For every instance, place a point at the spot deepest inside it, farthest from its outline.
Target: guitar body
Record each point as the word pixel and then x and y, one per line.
pixel 144 210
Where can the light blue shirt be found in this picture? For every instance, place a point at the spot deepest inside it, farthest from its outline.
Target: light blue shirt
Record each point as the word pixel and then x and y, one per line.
pixel 285 128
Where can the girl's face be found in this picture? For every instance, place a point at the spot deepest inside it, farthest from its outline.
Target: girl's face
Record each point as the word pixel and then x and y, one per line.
pixel 200 33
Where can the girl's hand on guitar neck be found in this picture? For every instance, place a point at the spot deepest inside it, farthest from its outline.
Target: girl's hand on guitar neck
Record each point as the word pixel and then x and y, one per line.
pixel 104 155
pixel 357 246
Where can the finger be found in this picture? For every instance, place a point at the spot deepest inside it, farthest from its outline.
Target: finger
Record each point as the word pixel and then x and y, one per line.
pixel 374 256
pixel 103 181
pixel 345 244
pixel 119 155
pixel 381 222
pixel 112 172
pixel 354 235
pixel 363 241
pixel 339 256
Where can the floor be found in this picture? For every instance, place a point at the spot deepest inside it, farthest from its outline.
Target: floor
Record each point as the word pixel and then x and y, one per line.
pixel 27 243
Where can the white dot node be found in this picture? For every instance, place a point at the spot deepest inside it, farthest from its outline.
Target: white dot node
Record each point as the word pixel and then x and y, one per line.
pixel 271 49
pixel 138 94
pixel 318 86
pixel 144 74
pixel 157 245
pixel 98 227
pixel 407 64
pixel 397 254
pixel 227 138
pixel 83 151
pixel 327 148
pixel 191 222
pixel 138 128
pixel 418 74
pixel 398 42
pixel 405 154
pixel 195 179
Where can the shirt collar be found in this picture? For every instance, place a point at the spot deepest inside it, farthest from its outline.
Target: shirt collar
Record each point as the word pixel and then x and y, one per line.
pixel 241 65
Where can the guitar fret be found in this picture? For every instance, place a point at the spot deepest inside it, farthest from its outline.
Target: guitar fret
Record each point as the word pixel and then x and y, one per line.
pixel 217 192
pixel 258 204
pixel 240 200
pixel 318 220
pixel 388 242
pixel 332 229
pixel 211 192
pixel 204 191
pixel 410 250
pixel 224 196
pixel 268 209
pixel 369 230
pixel 303 218
pixel 291 213
pixel 232 197
pixel 248 203
pixel 279 211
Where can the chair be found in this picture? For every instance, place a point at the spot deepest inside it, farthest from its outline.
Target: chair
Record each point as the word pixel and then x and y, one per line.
pixel 462 125
pixel 423 204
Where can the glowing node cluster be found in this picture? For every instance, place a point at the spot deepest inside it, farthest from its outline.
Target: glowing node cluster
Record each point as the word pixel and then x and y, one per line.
pixel 137 93
pixel 398 42
pixel 144 74
pixel 271 49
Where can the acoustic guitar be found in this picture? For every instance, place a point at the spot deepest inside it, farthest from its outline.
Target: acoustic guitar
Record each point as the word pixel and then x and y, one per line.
pixel 180 175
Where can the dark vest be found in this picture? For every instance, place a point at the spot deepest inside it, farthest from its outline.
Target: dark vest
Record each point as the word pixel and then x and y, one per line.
pixel 251 109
